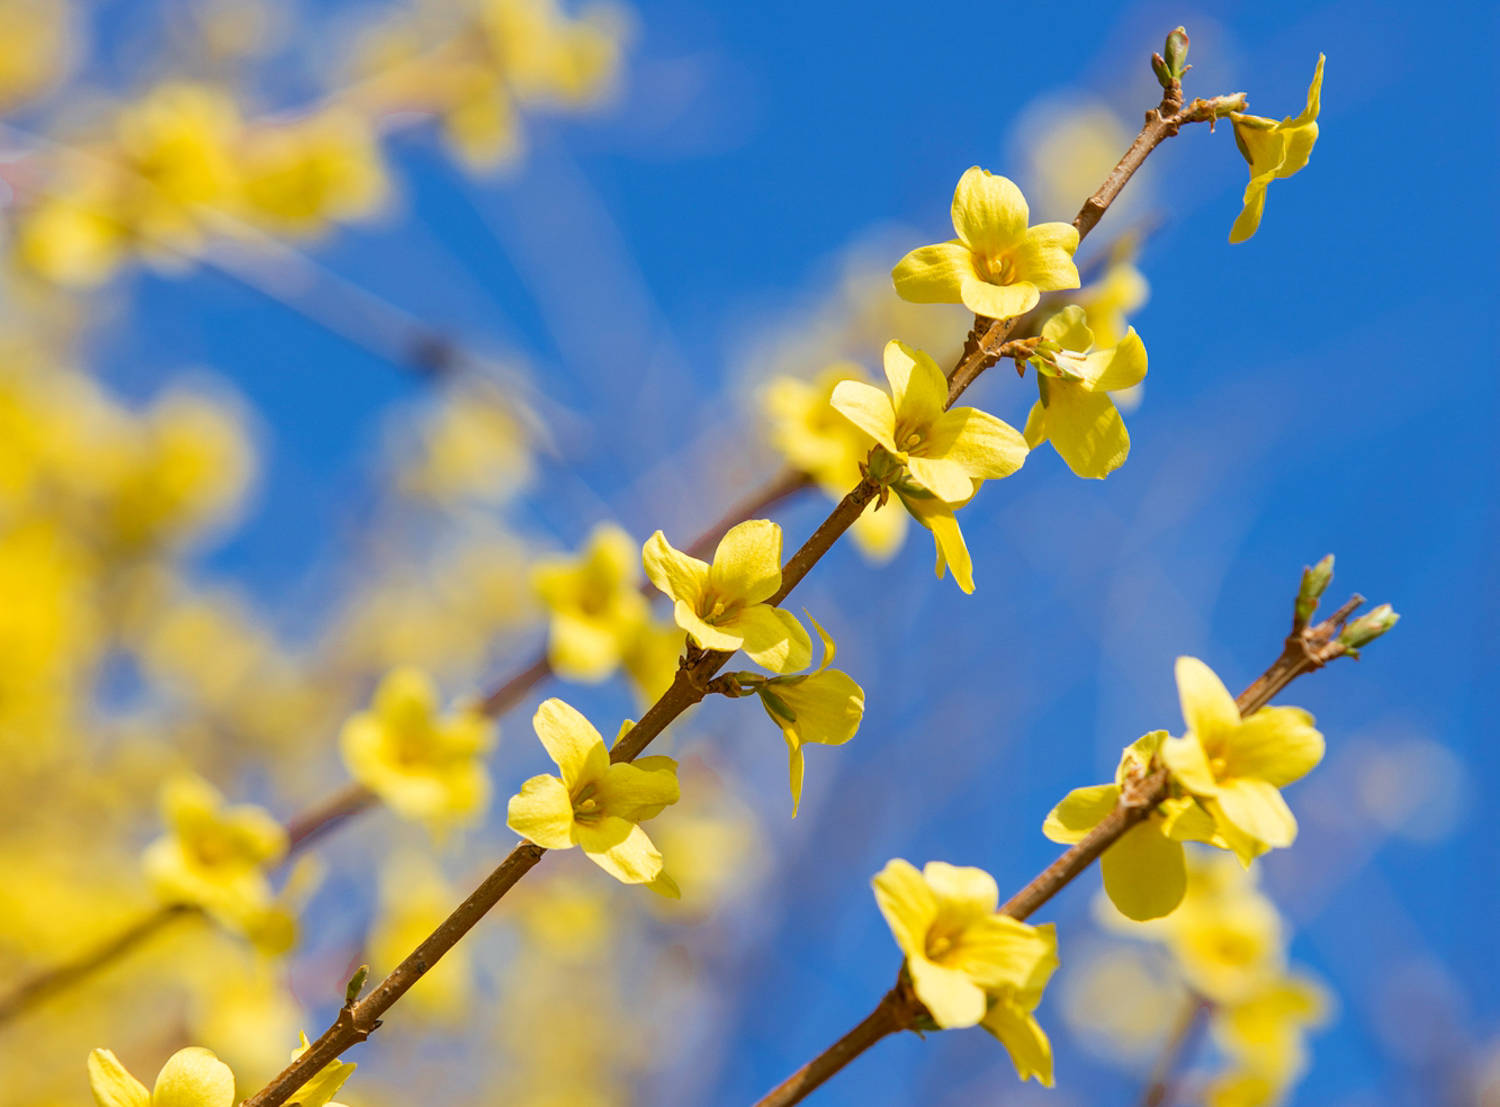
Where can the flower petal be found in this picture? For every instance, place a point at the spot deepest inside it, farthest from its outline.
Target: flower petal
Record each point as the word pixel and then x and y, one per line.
pixel 622 849
pixel 934 274
pixel 571 741
pixel 986 447
pixel 639 791
pixel 997 953
pixel 796 768
pixel 747 564
pixel 1045 257
pixel 952 551
pixel 1207 707
pixel 989 212
pixel 1276 744
pixel 1145 872
pixel 908 904
pixel 1122 366
pixel 1023 1038
pixel 193 1077
pixel 112 1085
pixel 869 409
pixel 997 301
pixel 675 573
pixel 542 811
pixel 1188 762
pixel 707 635
pixel 952 999
pixel 1258 810
pixel 919 391
pixel 1085 429
pixel 1080 811
pixel 1069 328
pixel 773 638
pixel 1248 220
pixel 944 478
pixel 961 890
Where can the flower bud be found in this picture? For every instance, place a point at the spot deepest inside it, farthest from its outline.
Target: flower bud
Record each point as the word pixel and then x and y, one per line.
pixel 1368 627
pixel 1315 582
pixel 1176 53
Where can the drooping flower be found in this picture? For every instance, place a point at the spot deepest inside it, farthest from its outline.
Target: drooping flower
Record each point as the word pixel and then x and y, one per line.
pixel 192 1077
pixel 1275 151
pixel 1237 767
pixel 597 609
pixel 970 965
pixel 1075 412
pixel 423 765
pixel 945 451
pixel 997 267
pixel 824 706
pixel 722 606
pixel 215 856
pixel 1145 871
pixel 941 518
pixel 593 803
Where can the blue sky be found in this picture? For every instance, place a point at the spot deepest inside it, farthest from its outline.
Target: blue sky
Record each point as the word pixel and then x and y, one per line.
pixel 1329 386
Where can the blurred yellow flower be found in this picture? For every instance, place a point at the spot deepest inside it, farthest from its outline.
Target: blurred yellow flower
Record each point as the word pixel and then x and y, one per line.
pixel 414 899
pixel 997 267
pixel 1266 1030
pixel 596 606
pixel 593 803
pixel 969 965
pixel 1075 412
pixel 215 856
pixel 945 451
pixel 1275 151
pixel 300 177
pixel 651 659
pixel 192 1077
pixel 1236 767
pixel 721 606
pixel 72 236
pixel 1109 302
pixel 424 766
pixel 35 49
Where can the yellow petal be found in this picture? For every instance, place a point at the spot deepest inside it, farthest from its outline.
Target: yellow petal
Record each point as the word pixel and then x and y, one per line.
pixel 1045 257
pixel 112 1085
pixel 571 741
pixel 919 391
pixel 1122 366
pixel 996 301
pixel 1248 220
pixel 989 212
pixel 1145 872
pixel 1069 329
pixel 1257 810
pixel 193 1077
pixel 1207 707
pixel 1314 96
pixel 675 573
pixel 943 477
pixel 999 953
pixel 952 552
pixel 1085 429
pixel 584 650
pixel 830 649
pixel 985 447
pixel 747 564
pixel 1080 811
pixel 869 409
pixel 934 274
pixel 622 849
pixel 1276 744
pixel 1036 425
pixel 1188 763
pixel 953 1000
pixel 639 791
pixel 406 699
pixel 1183 819
pixel 828 706
pixel 542 811
pixel 773 638
pixel 961 890
pixel 908 904
pixel 707 635
pixel 796 767
pixel 1023 1038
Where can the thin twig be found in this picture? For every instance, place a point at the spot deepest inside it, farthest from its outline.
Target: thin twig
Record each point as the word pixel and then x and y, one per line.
pixel 1162 1081
pixel 690 685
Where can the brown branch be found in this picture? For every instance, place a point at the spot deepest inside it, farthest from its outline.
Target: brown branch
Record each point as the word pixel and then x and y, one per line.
pixel 1161 1083
pixel 699 667
pixel 1302 652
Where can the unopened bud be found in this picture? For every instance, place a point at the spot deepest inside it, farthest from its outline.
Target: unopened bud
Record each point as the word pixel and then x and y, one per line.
pixel 1159 67
pixel 356 985
pixel 1368 627
pixel 1176 53
pixel 1315 582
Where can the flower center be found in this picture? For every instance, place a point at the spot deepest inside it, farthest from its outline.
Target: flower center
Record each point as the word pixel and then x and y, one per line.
pixel 719 608
pixel 999 270
pixel 1219 767
pixel 586 807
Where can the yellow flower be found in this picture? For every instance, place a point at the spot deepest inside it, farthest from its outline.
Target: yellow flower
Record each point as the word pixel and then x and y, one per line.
pixel 479 118
pixel 1266 1031
pixel 1227 938
pixel 72 237
pixel 944 451
pixel 721 606
pixel 597 609
pixel 968 964
pixel 1236 767
pixel 1075 412
pixel 299 177
pixel 824 706
pixel 1275 151
pixel 423 766
pixel 35 49
pixel 997 267
pixel 593 803
pixel 215 856
pixel 192 1077
pixel 1145 871
pixel 941 519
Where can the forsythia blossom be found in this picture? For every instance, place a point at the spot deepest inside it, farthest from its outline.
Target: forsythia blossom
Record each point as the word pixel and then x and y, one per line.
pixel 945 451
pixel 1236 767
pixel 997 267
pixel 1075 412
pixel 1275 151
pixel 824 706
pixel 424 766
pixel 968 964
pixel 593 803
pixel 1145 871
pixel 722 606
pixel 215 856
pixel 192 1077
pixel 597 610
